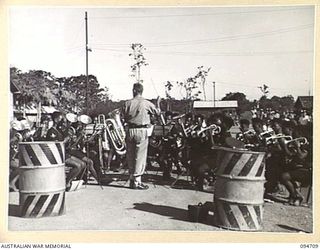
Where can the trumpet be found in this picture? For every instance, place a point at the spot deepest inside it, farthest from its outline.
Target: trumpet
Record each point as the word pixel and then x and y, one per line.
pixel 249 132
pixel 274 139
pixel 301 140
pixel 215 129
pixel 267 134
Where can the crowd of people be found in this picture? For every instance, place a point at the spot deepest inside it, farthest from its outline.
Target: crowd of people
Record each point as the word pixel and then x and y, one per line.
pixel 179 142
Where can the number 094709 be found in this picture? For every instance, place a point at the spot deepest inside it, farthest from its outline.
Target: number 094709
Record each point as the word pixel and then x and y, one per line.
pixel 313 246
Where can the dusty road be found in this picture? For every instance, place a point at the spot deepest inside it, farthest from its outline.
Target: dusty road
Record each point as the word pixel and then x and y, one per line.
pixel 117 207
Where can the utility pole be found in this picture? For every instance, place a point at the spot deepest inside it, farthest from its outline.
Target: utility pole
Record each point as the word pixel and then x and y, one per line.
pixel 214 94
pixel 87 66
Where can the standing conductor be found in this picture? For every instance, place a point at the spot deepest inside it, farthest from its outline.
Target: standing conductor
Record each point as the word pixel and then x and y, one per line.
pixel 137 112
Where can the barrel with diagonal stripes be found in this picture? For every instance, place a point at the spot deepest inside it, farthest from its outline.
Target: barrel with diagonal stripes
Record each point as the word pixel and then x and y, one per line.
pixel 239 188
pixel 42 179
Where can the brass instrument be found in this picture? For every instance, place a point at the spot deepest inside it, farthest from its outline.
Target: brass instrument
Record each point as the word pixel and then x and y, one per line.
pixel 188 131
pixel 274 139
pixel 249 132
pixel 301 140
pixel 267 134
pixel 215 129
pixel 116 132
pixel 102 127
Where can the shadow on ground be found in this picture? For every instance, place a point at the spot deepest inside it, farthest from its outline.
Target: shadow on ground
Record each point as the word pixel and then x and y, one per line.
pixel 171 212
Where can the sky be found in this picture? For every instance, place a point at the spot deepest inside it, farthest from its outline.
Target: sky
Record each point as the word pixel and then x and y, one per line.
pixel 245 47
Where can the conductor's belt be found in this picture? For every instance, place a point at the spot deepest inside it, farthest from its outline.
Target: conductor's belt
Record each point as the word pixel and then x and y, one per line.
pixel 131 125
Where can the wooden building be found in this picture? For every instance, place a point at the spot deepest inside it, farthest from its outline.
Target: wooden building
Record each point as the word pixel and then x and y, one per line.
pixel 304 103
pixel 209 107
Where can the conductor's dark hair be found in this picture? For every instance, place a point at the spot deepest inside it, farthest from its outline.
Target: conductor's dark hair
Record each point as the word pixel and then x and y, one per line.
pixel 138 88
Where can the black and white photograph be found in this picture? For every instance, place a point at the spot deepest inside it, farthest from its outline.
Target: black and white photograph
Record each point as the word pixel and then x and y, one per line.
pixel 184 119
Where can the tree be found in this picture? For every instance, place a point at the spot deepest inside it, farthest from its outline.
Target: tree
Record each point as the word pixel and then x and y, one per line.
pixel 287 103
pixel 35 88
pixel 168 87
pixel 137 53
pixel 72 93
pixel 243 103
pixel 202 75
pixel 264 89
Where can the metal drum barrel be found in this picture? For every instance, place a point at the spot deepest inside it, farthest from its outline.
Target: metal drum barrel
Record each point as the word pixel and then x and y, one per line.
pixel 42 179
pixel 239 189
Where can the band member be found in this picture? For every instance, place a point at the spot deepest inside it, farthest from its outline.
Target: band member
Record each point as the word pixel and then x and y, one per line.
pixel 246 135
pixel 80 148
pixel 275 160
pixel 225 123
pixel 298 166
pixel 55 133
pixel 259 142
pixel 16 136
pixel 137 112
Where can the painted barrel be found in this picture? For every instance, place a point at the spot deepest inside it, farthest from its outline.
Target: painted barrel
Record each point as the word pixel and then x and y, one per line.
pixel 239 189
pixel 42 179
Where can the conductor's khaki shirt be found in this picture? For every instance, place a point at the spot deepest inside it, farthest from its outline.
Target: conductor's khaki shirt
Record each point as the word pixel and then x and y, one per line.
pixel 138 110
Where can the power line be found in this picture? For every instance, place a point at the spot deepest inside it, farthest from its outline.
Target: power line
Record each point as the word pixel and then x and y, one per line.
pixel 76 36
pixel 252 86
pixel 215 40
pixel 198 14
pixel 208 54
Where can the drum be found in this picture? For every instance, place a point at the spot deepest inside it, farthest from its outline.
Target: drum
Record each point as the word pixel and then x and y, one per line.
pixel 42 179
pixel 239 189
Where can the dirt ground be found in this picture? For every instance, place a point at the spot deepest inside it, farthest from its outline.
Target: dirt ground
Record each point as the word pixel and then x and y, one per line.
pixel 161 207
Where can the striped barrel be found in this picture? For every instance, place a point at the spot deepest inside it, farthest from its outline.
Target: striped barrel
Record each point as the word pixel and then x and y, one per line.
pixel 239 189
pixel 42 179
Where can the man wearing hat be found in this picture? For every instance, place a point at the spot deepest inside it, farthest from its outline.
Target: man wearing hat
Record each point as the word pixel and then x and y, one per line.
pixel 137 112
pixel 55 133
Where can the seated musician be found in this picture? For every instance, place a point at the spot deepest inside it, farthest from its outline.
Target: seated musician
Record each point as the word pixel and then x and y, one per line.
pixel 225 123
pixel 173 151
pixel 55 133
pixel 298 166
pixel 258 141
pixel 275 160
pixel 245 135
pixel 78 148
pixel 201 155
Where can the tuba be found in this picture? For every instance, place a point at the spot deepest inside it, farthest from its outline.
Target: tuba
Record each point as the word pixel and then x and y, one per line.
pixel 116 131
